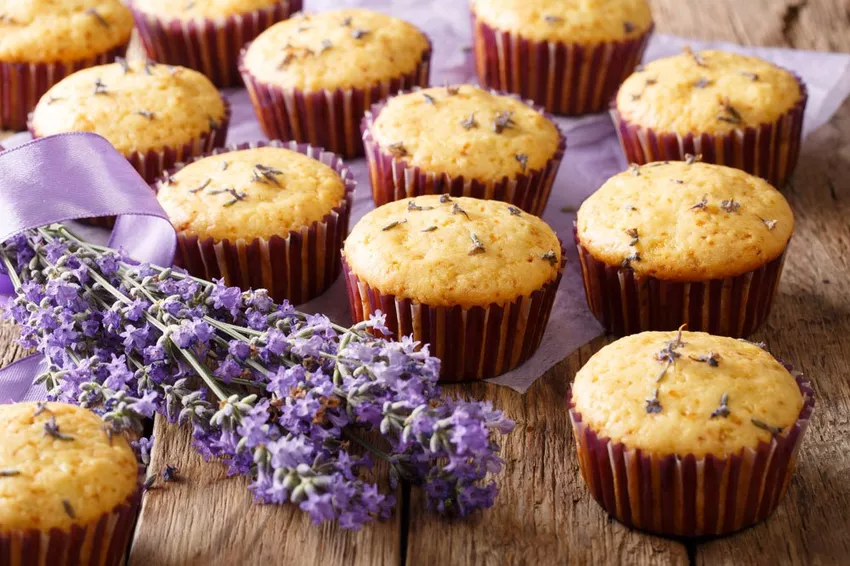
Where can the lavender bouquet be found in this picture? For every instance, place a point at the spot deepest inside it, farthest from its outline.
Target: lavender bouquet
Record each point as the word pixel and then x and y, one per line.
pixel 278 395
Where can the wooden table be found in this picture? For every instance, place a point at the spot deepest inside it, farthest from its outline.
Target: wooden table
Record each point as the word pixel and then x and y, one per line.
pixel 544 514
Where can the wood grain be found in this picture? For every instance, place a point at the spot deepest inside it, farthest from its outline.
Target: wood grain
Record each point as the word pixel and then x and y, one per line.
pixel 544 514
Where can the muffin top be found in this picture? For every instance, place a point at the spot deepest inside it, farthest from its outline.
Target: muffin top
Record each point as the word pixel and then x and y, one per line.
pixel 569 21
pixel 337 49
pixel 708 91
pixel 446 251
pixel 717 396
pixel 251 193
pixel 61 30
pixel 685 221
pixel 58 467
pixel 466 131
pixel 169 9
pixel 136 106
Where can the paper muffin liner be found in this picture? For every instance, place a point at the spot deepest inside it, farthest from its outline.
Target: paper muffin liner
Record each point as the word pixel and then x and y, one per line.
pixel 297 266
pixel 625 303
pixel 472 343
pixel 103 542
pixel 687 495
pixel 769 151
pixel 208 45
pixel 392 178
pixel 565 78
pixel 23 84
pixel 326 118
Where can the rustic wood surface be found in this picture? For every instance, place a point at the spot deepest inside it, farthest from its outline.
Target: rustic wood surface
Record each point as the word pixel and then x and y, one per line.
pixel 544 514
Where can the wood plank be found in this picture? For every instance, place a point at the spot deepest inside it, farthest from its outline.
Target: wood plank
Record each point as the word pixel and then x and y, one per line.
pixel 207 518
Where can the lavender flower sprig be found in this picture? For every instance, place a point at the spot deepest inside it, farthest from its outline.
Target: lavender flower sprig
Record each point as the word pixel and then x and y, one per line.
pixel 280 396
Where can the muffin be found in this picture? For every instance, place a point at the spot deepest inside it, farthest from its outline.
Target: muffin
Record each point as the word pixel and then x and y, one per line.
pixel 43 41
pixel 155 115
pixel 475 279
pixel 688 434
pixel 69 490
pixel 206 35
pixel 732 109
pixel 463 141
pixel 270 216
pixel 680 242
pixel 312 77
pixel 569 57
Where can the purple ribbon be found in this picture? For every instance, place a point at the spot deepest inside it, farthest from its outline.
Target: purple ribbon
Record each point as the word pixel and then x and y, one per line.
pixel 66 177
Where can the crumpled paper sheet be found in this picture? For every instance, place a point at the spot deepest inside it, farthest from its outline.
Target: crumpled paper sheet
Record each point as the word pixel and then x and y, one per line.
pixel 593 154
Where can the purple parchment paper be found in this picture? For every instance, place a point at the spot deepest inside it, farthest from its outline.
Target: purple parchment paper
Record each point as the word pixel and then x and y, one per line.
pixel 592 156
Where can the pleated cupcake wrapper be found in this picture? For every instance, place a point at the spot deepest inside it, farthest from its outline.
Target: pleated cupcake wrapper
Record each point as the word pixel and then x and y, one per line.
pixel 392 178
pixel 101 543
pixel 565 78
pixel 625 303
pixel 689 495
pixel 472 343
pixel 208 45
pixel 23 84
pixel 769 150
pixel 328 118
pixel 297 266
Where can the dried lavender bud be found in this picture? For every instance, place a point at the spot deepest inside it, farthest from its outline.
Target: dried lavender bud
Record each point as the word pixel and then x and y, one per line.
pixel 695 56
pixel 169 473
pixel 444 198
pixel 470 122
pixel 523 160
pixel 552 20
pixel 723 409
pixel 412 206
pixel 146 114
pixel 711 358
pixel 429 99
pixel 633 234
pixel 9 473
pixel 628 27
pixel 358 33
pixel 346 22
pixel 477 246
pixel 397 149
pixel 629 259
pixel 393 224
pixel 627 208
pixel 52 99
pixel 763 425
pixel 702 204
pixel 149 481
pixel 650 82
pixel 224 165
pixel 237 196
pixel 653 405
pixel 503 121
pixel 691 159
pixel 149 65
pixel 99 87
pixel 551 257
pixel 100 19
pixel 730 205
pixel 761 345
pixel 634 168
pixel 678 181
pixel 52 429
pixel 452 90
pixel 752 76
pixel 326 44
pixel 287 59
pixel 668 354
pixel 456 209
pixel 702 83
pixel 429 229
pixel 731 114
pixel 201 187
pixel 514 211
pixel 69 510
pixel 268 173
pixel 125 66
pixel 636 96
pixel 169 180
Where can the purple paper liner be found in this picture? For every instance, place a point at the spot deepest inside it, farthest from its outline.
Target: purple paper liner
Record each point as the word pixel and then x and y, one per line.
pixel 625 303
pixel 677 495
pixel 103 542
pixel 769 151
pixel 23 84
pixel 472 343
pixel 392 178
pixel 297 266
pixel 210 46
pixel 565 78
pixel 326 118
